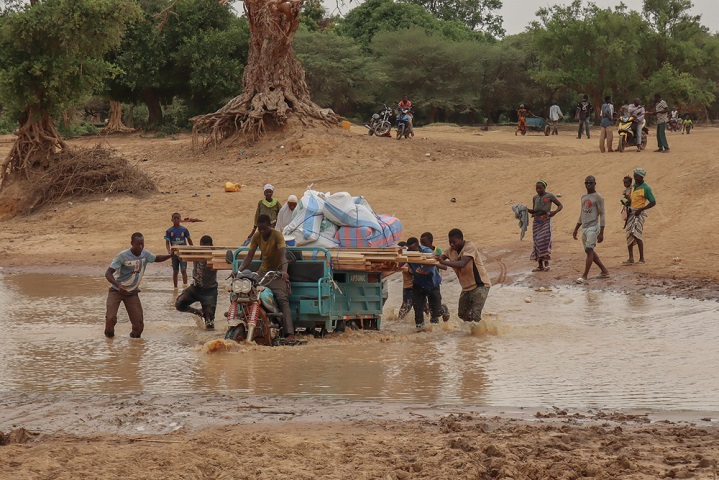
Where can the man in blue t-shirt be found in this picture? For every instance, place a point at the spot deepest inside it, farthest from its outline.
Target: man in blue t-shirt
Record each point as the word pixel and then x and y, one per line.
pixel 175 236
pixel 125 274
pixel 425 287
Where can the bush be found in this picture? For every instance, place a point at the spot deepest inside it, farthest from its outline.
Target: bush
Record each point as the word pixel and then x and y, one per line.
pixel 7 125
pixel 75 129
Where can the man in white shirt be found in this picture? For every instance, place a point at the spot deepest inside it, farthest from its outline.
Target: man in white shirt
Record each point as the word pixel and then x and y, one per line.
pixel 555 114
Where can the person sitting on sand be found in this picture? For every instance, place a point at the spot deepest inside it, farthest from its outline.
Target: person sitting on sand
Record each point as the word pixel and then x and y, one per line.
pixel 542 225
pixel 591 219
pixel 464 258
pixel 267 206
pixel 203 290
pixel 125 274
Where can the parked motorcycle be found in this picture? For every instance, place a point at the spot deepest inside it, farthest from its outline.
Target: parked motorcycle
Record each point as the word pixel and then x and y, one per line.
pixel 380 123
pixel 254 315
pixel 626 133
pixel 403 118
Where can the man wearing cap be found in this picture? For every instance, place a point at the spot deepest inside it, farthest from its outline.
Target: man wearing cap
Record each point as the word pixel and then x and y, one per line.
pixel 641 199
pixel 285 216
pixel 267 206
pixel 637 111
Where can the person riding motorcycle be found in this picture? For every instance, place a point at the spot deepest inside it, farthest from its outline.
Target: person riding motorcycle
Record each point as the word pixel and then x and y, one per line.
pixel 405 104
pixel 274 258
pixel 637 111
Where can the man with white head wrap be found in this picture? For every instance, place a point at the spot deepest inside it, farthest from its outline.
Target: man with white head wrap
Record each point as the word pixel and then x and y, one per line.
pixel 267 206
pixel 285 216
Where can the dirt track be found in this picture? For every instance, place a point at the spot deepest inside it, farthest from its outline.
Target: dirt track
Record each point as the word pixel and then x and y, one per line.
pixel 487 173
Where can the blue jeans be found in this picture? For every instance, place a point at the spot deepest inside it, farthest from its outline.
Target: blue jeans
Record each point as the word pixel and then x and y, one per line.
pixel 583 125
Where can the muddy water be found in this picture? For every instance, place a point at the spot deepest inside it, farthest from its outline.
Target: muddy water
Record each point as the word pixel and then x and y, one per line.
pixel 567 347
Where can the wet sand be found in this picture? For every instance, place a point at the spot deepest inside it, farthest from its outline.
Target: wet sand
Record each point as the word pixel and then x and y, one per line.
pixel 141 435
pixel 219 437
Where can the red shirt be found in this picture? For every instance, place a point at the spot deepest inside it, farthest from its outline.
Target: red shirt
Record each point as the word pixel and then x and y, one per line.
pixel 404 104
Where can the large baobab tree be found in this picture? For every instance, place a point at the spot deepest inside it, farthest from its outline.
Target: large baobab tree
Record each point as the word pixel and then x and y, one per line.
pixel 274 91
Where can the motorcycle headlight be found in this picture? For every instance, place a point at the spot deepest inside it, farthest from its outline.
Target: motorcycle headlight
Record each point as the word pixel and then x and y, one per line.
pixel 241 285
pixel 375 116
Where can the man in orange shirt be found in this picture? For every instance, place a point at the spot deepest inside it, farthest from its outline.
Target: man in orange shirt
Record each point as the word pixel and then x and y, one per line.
pixel 405 103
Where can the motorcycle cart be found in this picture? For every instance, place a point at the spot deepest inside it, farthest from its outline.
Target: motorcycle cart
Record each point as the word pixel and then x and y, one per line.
pixel 538 124
pixel 324 299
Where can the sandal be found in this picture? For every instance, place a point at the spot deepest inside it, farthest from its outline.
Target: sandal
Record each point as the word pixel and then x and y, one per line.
pixel 641 262
pixel 628 262
pixel 603 275
pixel 538 269
pixel 581 280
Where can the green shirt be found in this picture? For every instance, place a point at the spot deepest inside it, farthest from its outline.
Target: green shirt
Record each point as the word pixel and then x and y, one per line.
pixel 641 195
pixel 271 212
pixel 270 248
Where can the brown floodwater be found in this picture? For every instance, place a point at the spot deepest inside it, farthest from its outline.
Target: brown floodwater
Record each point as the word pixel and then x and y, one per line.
pixel 567 347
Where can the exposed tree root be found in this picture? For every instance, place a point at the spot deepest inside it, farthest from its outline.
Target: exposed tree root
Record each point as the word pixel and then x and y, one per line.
pixel 37 141
pixel 274 88
pixel 114 123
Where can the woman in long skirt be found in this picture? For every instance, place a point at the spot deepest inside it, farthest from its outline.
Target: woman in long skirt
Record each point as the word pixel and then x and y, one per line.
pixel 542 225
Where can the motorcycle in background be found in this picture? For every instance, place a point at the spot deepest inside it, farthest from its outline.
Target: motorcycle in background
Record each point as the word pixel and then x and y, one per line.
pixel 380 123
pixel 626 133
pixel 403 118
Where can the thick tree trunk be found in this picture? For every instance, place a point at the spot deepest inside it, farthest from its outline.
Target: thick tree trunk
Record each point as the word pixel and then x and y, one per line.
pixel 273 83
pixel 154 108
pixel 114 123
pixel 37 140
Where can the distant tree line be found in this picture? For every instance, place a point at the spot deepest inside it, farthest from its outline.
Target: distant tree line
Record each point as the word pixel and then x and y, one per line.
pixel 451 57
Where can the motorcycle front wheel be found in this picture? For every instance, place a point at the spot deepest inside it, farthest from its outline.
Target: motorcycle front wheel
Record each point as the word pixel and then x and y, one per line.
pixel 400 131
pixel 236 333
pixel 621 144
pixel 382 129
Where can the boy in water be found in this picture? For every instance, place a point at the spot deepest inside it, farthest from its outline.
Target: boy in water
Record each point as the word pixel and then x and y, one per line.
pixel 406 289
pixel 591 220
pixel 427 240
pixel 177 235
pixel 125 274
pixel 203 290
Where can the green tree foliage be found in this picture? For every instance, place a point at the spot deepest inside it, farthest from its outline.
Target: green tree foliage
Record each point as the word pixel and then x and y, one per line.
pixel 681 89
pixel 52 53
pixel 436 72
pixel 588 49
pixel 198 55
pixel 476 14
pixel 374 16
pixel 339 74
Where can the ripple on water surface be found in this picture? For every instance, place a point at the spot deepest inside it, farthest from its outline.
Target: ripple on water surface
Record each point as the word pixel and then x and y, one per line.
pixel 566 347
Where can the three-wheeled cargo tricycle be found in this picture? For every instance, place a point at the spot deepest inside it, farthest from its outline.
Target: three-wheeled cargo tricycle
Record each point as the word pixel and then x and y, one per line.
pixel 322 299
pixel 538 124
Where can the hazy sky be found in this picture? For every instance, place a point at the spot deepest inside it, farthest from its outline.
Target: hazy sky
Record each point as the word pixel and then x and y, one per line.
pixel 518 13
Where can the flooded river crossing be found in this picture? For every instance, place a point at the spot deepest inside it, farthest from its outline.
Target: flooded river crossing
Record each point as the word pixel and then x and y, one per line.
pixel 566 347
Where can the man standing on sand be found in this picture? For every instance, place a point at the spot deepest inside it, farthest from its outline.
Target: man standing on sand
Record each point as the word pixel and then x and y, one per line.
pixel 591 219
pixel 125 286
pixel 637 111
pixel 555 114
pixel 641 199
pixel 661 110
pixel 584 111
pixel 464 258
pixel 607 124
